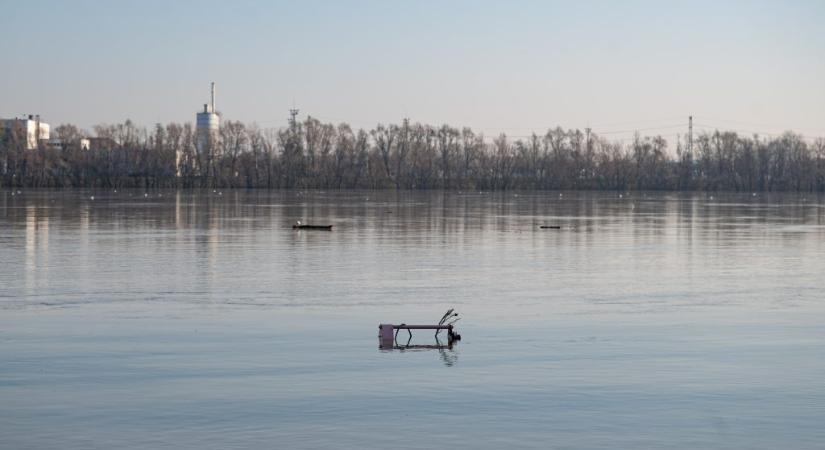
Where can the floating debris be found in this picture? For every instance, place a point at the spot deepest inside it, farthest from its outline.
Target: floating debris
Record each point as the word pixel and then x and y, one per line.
pixel 388 333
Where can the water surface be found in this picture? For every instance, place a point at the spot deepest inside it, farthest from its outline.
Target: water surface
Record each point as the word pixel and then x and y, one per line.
pixel 166 319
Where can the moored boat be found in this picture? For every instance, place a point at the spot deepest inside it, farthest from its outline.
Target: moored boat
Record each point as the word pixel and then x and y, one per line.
pixel 299 226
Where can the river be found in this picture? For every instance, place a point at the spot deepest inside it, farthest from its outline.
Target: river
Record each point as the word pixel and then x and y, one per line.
pixel 163 319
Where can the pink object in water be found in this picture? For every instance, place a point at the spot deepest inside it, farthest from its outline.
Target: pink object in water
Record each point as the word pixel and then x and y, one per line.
pixel 385 331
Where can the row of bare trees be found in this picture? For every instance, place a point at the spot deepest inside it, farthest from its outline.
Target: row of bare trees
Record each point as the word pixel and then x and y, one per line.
pixel 312 154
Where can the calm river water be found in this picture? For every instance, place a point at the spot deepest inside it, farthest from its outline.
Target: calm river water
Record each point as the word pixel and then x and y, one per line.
pixel 134 320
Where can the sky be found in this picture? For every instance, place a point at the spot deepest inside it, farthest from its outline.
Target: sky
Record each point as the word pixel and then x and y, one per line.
pixel 497 66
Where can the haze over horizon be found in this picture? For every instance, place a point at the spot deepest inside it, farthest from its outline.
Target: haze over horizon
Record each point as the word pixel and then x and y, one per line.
pixel 493 66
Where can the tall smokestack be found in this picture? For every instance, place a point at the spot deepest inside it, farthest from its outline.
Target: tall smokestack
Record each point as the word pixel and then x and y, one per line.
pixel 213 98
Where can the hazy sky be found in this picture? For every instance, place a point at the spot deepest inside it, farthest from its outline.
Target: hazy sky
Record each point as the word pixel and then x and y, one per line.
pixel 500 66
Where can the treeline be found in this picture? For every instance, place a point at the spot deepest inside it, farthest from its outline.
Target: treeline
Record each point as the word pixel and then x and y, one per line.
pixel 312 154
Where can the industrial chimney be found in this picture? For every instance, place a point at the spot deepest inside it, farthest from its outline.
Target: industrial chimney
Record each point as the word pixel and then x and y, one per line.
pixel 213 98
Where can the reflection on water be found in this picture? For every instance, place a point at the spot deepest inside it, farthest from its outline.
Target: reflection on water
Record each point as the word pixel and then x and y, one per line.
pixel 445 350
pixel 37 249
pixel 203 320
pixel 238 247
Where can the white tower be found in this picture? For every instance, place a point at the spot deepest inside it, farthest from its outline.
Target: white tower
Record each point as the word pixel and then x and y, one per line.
pixel 208 124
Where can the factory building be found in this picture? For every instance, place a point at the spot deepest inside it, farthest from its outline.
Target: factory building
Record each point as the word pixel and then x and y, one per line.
pixel 29 128
pixel 208 126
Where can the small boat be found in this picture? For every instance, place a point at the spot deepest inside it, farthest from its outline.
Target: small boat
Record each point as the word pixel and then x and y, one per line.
pixel 299 226
pixel 550 227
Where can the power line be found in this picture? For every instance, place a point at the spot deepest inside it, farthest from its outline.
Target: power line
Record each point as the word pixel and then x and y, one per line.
pixel 541 127
pixel 652 121
pixel 759 133
pixel 753 124
pixel 493 132
pixel 642 129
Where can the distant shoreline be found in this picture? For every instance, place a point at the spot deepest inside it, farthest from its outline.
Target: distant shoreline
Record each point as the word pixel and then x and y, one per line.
pixel 316 155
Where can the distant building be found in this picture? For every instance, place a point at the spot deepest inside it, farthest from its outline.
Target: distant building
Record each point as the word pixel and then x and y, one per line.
pixel 31 128
pixel 208 125
pixel 101 143
pixel 60 144
pixel 84 143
